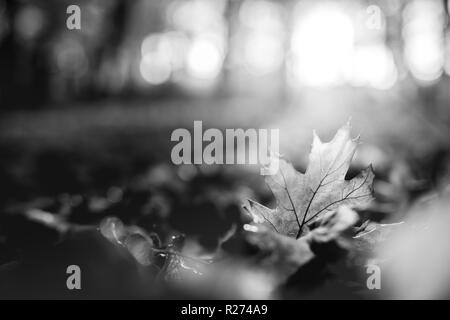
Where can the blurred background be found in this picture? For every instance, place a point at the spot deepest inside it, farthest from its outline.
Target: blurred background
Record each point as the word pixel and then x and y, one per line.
pixel 295 65
pixel 88 113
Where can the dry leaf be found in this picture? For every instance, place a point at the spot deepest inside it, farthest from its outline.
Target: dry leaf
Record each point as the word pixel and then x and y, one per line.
pixel 303 198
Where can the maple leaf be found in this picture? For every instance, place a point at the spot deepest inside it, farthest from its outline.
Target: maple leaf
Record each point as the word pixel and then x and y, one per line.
pixel 303 198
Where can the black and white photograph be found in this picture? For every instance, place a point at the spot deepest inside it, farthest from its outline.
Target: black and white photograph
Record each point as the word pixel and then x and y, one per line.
pixel 228 155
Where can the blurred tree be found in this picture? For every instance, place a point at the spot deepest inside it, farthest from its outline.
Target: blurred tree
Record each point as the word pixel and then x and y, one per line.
pixel 21 63
pixel 36 34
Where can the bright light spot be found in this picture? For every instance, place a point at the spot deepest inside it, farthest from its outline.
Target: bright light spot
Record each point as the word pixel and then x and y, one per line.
pixel 204 22
pixel 204 59
pixel 422 33
pixel 423 15
pixel 250 228
pixel 425 57
pixel 162 54
pixel 322 40
pixel 373 65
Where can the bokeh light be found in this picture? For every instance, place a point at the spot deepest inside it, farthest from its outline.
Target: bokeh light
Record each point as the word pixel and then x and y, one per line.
pixel 263 54
pixel 204 26
pixel 262 31
pixel 373 66
pixel 422 33
pixel 155 66
pixel 322 39
pixel 197 16
pixel 204 59
pixel 162 55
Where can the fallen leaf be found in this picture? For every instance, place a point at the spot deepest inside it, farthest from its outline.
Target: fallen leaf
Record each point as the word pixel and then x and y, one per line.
pixel 282 256
pixel 137 242
pixel 304 198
